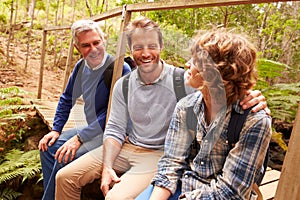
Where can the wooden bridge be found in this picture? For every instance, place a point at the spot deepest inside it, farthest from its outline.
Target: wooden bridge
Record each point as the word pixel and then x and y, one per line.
pixel 46 111
pixel 289 185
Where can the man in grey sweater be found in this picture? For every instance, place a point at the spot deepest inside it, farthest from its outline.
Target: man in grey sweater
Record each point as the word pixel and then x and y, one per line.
pixel 135 133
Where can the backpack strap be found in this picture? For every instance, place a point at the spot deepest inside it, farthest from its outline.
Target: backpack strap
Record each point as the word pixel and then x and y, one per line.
pixel 108 72
pixel 178 83
pixel 191 119
pixel 125 87
pixel 77 83
pixel 235 126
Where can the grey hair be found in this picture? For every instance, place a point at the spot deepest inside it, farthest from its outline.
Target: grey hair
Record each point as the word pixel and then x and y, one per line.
pixel 85 26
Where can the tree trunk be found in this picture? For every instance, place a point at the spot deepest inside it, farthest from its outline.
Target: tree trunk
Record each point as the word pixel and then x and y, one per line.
pixel 29 34
pixel 262 36
pixel 16 14
pixel 87 3
pixel 47 12
pixel 8 58
pixel 55 35
pixel 73 10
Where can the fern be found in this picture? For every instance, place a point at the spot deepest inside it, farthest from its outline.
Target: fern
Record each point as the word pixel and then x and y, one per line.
pixel 6 112
pixel 10 90
pixel 19 164
pixel 9 194
pixel 10 101
pixel 282 98
pixel 270 69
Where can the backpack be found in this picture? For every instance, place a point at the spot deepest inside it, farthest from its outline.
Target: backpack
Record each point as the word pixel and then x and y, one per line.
pixel 235 126
pixel 178 83
pixel 108 72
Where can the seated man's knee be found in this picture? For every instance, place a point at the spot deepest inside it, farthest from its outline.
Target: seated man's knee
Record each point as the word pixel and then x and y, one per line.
pixel 117 196
pixel 63 176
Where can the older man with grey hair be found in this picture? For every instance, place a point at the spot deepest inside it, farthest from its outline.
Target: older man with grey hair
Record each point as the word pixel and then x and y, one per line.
pixel 90 79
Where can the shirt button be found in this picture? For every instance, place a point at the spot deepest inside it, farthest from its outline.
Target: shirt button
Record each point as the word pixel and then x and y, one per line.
pixel 186 176
pixel 201 163
pixel 205 141
pixel 226 141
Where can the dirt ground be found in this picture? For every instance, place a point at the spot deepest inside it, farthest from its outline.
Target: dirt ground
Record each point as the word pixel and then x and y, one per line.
pixel 15 74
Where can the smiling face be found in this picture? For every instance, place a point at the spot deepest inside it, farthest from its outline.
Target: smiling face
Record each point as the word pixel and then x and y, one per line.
pixel 146 49
pixel 91 47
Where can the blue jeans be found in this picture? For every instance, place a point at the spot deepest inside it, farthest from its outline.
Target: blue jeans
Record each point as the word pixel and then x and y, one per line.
pixel 146 194
pixel 50 166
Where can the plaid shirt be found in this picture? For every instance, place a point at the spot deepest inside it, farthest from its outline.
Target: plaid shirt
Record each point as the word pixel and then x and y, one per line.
pixel 222 172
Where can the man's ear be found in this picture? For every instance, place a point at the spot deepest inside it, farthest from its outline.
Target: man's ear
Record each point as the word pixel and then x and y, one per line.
pixel 162 47
pixel 75 45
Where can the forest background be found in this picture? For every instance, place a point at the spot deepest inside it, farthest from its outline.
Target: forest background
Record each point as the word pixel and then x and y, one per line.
pixel 273 27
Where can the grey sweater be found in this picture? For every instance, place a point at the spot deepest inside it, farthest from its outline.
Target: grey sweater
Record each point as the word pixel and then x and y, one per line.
pixel 146 118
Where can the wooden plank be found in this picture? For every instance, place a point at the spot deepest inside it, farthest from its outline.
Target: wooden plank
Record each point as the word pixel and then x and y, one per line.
pixel 46 111
pixel 270 176
pixel 289 182
pixel 120 53
pixel 268 190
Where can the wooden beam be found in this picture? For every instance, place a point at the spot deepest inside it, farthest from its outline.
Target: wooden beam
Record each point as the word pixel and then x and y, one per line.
pixel 55 28
pixel 108 14
pixel 183 4
pixel 289 181
pixel 68 65
pixel 39 95
pixel 120 53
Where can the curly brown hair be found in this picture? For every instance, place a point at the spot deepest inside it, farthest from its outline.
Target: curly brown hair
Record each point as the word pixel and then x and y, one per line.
pixel 233 56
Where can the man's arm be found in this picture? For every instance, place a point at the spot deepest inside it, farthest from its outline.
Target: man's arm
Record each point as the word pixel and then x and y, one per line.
pixel 114 136
pixel 111 149
pixel 160 193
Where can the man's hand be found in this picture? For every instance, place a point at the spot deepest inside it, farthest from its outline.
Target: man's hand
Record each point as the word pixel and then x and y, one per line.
pixel 69 147
pixel 109 177
pixel 50 137
pixel 256 99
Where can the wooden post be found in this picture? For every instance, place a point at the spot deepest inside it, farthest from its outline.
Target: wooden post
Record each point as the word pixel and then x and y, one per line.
pixel 43 53
pixel 68 65
pixel 289 182
pixel 120 52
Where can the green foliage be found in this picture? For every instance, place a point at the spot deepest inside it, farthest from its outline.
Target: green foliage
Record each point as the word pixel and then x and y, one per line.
pixel 11 91
pixel 276 136
pixel 176 45
pixel 282 98
pixel 20 164
pixel 3 18
pixel 10 96
pixel 270 69
pixel 9 194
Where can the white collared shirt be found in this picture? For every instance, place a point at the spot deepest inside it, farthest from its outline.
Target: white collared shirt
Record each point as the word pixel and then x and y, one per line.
pixel 100 65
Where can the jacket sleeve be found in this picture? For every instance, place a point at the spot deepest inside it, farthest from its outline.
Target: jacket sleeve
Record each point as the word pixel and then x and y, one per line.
pixel 67 99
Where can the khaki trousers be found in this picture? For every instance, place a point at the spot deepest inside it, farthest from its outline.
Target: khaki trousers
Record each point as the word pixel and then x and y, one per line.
pixel 136 164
